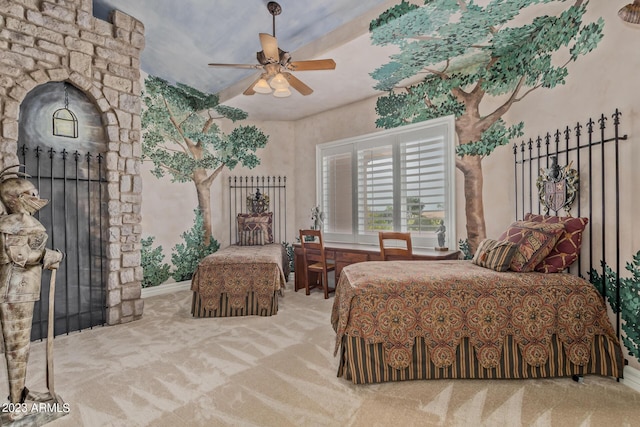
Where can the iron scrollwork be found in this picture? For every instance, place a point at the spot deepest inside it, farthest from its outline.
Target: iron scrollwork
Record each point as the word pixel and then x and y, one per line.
pixel 257 203
pixel 557 186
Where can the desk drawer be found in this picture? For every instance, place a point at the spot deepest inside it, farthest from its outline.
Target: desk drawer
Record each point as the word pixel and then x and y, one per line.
pixel 345 258
pixel 350 257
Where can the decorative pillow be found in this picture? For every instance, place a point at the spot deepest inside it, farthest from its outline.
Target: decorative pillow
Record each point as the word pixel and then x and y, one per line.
pixel 493 254
pixel 567 248
pixel 251 237
pixel 254 221
pixel 535 241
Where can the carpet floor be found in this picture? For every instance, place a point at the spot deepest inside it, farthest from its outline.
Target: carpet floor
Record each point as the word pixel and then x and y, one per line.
pixel 169 369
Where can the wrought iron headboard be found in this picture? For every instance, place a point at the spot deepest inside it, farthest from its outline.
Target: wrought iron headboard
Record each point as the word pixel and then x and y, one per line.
pixel 274 187
pixel 593 149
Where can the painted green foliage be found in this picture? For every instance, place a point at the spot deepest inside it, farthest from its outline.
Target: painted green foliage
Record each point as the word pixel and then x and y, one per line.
pixel 629 308
pixel 186 256
pixel 467 52
pixel 183 139
pixel 155 270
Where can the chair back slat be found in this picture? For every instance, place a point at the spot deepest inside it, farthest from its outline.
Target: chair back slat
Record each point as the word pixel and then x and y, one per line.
pixel 388 252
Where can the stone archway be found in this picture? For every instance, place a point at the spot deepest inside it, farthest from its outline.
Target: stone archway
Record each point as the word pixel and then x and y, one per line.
pixel 49 42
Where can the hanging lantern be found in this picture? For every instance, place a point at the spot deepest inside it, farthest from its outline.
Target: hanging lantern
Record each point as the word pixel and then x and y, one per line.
pixel 65 123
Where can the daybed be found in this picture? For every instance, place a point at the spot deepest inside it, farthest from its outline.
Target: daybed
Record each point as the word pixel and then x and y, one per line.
pixel 403 320
pixel 246 277
pixel 240 281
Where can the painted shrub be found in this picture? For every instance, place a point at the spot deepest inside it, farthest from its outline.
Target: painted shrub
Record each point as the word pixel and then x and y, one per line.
pixel 629 308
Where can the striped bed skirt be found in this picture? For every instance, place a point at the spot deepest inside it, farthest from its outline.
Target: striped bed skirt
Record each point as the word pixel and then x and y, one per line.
pixel 224 309
pixel 364 363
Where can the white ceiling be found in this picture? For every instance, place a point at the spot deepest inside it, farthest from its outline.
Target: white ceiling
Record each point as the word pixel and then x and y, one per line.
pixel 181 41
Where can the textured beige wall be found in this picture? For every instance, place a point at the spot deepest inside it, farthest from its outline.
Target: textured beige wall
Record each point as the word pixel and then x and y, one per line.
pixel 345 122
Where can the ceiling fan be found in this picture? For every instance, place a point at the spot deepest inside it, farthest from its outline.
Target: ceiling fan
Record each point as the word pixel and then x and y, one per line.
pixel 277 65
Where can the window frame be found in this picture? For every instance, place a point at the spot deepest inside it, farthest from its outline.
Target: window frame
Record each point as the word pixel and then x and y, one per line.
pixel 443 127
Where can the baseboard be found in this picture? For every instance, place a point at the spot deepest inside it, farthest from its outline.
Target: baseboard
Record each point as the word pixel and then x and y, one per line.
pixel 632 378
pixel 166 288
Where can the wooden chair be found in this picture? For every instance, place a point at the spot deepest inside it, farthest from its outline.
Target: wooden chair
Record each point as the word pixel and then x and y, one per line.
pixel 388 253
pixel 315 261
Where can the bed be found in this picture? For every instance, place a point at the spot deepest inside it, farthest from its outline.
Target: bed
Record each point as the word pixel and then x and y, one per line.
pixel 405 320
pixel 246 277
pixel 520 308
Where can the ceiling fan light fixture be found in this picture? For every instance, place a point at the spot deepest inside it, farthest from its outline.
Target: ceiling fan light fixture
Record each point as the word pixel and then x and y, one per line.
pixel 262 87
pixel 282 92
pixel 631 13
pixel 279 82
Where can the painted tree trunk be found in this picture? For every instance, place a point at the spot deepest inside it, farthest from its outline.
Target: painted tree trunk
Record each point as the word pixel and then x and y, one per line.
pixel 471 167
pixel 203 190
pixel 469 128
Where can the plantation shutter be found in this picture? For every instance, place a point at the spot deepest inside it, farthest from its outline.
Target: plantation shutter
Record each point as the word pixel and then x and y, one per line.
pixel 375 189
pixel 337 170
pixel 423 180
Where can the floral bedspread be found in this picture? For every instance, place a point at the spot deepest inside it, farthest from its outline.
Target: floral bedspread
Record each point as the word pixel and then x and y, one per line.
pixel 393 302
pixel 238 270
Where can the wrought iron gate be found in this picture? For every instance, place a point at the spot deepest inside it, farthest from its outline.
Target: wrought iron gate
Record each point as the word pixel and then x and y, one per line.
pixel 76 220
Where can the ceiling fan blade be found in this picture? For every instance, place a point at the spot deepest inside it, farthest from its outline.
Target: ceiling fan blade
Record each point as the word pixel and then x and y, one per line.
pixel 248 66
pixel 269 47
pixel 315 64
pixel 249 90
pixel 297 84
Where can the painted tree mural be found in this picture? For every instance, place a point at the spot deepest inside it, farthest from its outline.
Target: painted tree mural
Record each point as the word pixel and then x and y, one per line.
pixel 182 138
pixel 468 53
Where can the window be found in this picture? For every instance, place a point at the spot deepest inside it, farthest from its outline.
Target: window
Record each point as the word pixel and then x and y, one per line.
pixel 400 179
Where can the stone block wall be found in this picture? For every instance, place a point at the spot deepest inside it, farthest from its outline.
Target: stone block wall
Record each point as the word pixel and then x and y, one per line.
pixel 60 40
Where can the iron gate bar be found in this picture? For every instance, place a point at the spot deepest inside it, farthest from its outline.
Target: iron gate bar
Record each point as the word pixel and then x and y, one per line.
pixel 103 291
pixel 76 156
pixel 602 121
pixel 66 238
pixel 616 124
pixel 590 124
pixel 578 132
pixel 530 144
pixel 88 156
pixel 52 232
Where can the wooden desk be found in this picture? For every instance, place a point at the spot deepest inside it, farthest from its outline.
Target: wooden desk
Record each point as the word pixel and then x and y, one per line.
pixel 344 254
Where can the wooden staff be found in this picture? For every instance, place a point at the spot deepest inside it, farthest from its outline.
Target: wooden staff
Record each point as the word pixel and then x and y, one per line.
pixel 51 321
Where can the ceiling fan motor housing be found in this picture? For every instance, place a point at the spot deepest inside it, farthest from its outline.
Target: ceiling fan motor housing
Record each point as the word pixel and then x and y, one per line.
pixel 274 8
